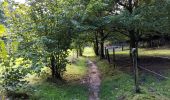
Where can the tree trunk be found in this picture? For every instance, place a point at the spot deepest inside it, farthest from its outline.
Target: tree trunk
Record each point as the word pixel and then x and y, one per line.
pixel 80 51
pixel 136 73
pixel 102 45
pixel 58 75
pixel 77 53
pixel 96 45
pixel 132 41
pixel 102 50
pixel 55 73
pixel 52 66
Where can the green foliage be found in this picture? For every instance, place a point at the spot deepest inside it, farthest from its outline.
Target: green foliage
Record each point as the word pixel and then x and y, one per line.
pixel 52 26
pixel 2 30
pixel 151 16
pixel 65 91
pixel 3 50
pixel 13 72
pixel 13 79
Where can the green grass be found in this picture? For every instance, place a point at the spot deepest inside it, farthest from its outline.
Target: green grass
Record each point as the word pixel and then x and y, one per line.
pixel 147 52
pixel 117 85
pixel 76 70
pixel 71 90
pixel 154 52
pixel 88 51
pixel 51 91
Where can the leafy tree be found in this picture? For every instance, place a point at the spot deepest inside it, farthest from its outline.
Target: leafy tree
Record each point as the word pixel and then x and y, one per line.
pixel 80 41
pixel 143 16
pixel 14 72
pixel 53 27
pixel 95 18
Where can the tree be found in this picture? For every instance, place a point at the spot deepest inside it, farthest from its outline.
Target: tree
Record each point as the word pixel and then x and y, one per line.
pixel 53 27
pixel 43 33
pixel 95 19
pixel 13 71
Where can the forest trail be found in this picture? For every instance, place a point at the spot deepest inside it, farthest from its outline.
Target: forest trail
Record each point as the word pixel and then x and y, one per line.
pixel 93 81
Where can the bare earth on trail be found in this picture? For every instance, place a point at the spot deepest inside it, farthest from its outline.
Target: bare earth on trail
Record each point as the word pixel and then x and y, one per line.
pixel 93 81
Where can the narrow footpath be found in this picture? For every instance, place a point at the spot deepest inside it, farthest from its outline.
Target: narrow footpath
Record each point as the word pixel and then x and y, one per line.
pixel 93 81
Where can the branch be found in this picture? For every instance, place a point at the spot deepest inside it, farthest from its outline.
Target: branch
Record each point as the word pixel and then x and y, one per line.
pixel 122 32
pixel 105 36
pixel 124 5
pixel 120 3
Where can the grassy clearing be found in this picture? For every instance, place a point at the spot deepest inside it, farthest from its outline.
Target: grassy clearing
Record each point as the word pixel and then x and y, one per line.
pixel 88 52
pixel 77 70
pixel 147 52
pixel 154 52
pixel 117 85
pixel 71 90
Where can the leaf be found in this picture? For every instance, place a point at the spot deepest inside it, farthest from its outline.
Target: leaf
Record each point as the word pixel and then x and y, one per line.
pixel 15 46
pixel 2 30
pixel 3 51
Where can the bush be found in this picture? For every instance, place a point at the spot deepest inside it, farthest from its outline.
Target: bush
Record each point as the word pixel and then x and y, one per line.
pixel 14 79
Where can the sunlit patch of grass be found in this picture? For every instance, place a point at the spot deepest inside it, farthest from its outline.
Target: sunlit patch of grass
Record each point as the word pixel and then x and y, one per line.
pixel 76 70
pixel 154 52
pixel 125 52
pixel 71 90
pixel 89 52
pixel 146 52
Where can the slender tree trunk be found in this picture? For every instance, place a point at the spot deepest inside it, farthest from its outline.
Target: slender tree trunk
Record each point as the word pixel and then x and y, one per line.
pixel 136 73
pixel 102 45
pixel 52 66
pixel 132 41
pixel 57 72
pixel 77 53
pixel 96 45
pixel 80 51
pixel 102 49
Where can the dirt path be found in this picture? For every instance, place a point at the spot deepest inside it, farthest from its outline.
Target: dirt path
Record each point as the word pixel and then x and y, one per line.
pixel 93 81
